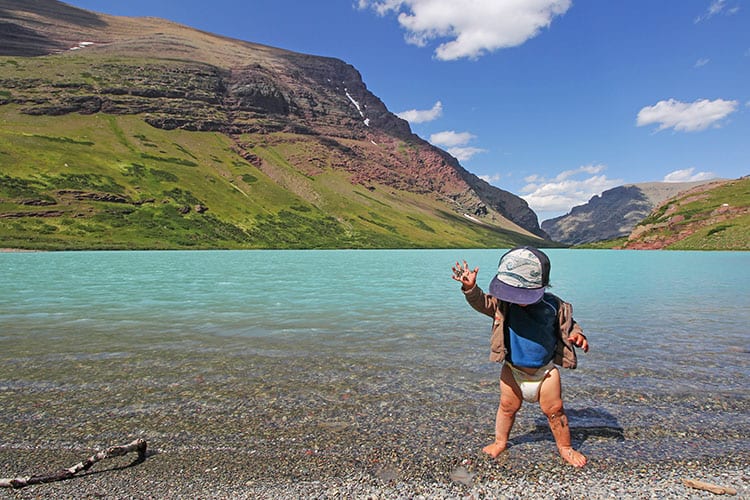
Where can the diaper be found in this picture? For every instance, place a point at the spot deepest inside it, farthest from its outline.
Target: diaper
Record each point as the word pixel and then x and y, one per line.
pixel 530 383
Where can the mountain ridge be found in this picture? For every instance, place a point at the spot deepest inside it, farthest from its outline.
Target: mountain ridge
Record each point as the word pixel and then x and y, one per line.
pixel 711 216
pixel 178 78
pixel 614 213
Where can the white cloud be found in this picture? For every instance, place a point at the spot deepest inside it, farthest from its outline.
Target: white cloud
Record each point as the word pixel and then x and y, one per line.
pixel 702 62
pixel 490 179
pixel 465 154
pixel 471 28
pixel 715 8
pixel 687 175
pixel 565 174
pixel 455 143
pixel 566 190
pixel 686 117
pixel 451 138
pixel 422 116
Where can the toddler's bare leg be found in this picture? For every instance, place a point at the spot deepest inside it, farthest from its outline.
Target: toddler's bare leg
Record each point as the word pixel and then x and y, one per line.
pixel 550 399
pixel 510 402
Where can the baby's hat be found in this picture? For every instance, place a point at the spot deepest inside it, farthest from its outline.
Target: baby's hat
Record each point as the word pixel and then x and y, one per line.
pixel 522 276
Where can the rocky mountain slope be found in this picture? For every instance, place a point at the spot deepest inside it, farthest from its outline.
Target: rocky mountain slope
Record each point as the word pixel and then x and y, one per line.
pixel 711 216
pixel 612 215
pixel 109 122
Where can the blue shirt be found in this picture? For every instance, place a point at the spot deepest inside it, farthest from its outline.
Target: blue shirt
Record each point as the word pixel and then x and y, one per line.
pixel 532 333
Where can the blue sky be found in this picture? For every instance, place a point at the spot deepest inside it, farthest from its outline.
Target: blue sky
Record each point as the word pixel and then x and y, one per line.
pixel 553 100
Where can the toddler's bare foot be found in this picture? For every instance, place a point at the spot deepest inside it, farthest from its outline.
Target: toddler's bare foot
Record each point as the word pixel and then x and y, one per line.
pixel 494 449
pixel 574 458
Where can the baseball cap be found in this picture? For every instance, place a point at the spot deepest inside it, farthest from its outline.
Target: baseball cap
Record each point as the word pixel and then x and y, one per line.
pixel 522 276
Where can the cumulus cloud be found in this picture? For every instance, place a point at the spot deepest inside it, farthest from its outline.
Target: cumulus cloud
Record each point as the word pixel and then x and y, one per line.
pixel 568 189
pixel 687 175
pixel 470 29
pixel 684 116
pixel 424 115
pixel 456 144
pixel 465 154
pixel 451 138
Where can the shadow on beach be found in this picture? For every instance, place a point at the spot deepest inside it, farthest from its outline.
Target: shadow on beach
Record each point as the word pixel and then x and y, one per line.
pixel 584 424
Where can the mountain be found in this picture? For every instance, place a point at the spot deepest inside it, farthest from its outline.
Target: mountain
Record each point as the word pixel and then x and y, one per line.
pixel 612 215
pixel 711 216
pixel 123 132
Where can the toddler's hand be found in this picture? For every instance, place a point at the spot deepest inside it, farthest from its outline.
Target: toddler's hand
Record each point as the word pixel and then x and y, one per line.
pixel 467 277
pixel 580 341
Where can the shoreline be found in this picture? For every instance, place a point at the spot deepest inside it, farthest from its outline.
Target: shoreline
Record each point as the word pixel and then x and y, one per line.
pixel 240 475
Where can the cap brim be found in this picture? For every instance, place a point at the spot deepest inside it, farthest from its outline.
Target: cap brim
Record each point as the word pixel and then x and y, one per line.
pixel 515 295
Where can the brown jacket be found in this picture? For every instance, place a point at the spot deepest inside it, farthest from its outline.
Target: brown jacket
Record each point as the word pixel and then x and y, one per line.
pixel 565 354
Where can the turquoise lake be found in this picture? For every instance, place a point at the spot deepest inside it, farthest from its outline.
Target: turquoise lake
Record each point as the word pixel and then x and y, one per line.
pixel 667 373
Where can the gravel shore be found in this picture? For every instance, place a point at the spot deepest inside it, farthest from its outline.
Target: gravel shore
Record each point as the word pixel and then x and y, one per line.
pixel 317 434
pixel 352 467
pixel 231 424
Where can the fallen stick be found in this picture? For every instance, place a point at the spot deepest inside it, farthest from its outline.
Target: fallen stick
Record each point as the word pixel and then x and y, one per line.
pixel 138 445
pixel 700 485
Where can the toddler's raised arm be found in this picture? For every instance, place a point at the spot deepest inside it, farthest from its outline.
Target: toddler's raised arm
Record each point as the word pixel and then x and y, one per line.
pixel 467 277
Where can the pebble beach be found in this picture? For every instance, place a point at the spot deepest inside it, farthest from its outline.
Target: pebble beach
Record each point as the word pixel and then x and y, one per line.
pixel 208 475
pixel 249 426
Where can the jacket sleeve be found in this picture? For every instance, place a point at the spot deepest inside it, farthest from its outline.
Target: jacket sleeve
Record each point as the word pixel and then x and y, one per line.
pixel 565 353
pixel 496 309
pixel 480 301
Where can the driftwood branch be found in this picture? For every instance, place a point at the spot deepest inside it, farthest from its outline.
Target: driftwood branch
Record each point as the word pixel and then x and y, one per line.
pixel 700 485
pixel 138 445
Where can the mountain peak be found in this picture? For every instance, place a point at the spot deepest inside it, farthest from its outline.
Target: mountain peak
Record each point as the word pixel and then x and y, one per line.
pixel 614 214
pixel 261 98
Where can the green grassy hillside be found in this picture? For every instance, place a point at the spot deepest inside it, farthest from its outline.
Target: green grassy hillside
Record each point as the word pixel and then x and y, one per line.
pixel 114 182
pixel 713 216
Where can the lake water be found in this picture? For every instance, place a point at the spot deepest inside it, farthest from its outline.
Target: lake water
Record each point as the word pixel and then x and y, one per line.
pixel 164 343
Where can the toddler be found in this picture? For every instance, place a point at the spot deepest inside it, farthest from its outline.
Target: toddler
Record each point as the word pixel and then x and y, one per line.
pixel 532 331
